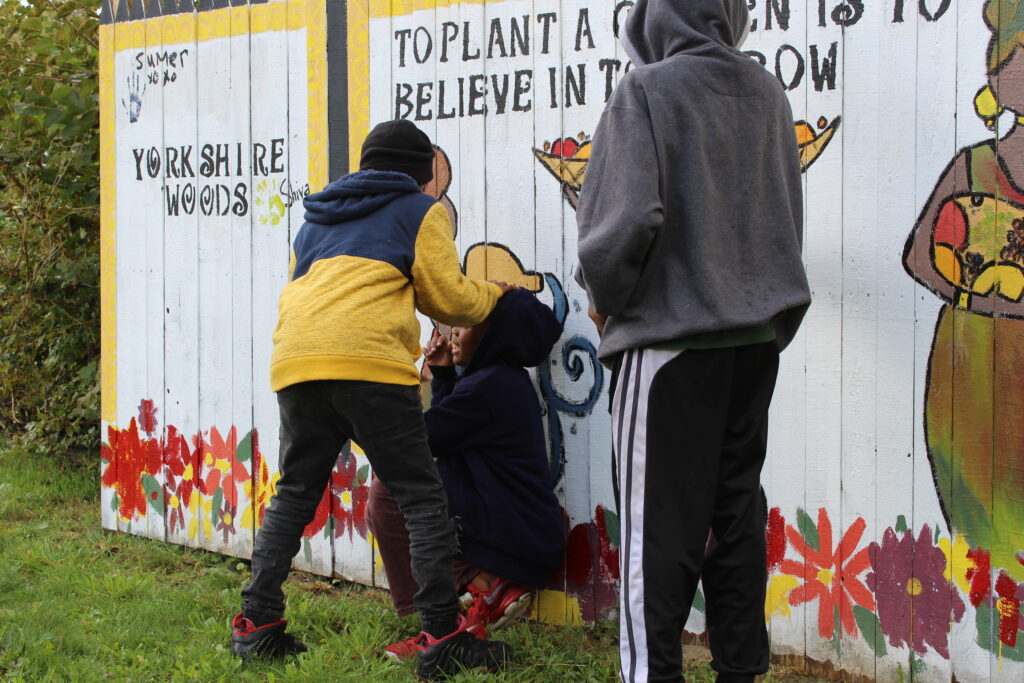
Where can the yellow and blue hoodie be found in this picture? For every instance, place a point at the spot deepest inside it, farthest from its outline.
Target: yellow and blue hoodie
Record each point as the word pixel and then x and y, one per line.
pixel 373 249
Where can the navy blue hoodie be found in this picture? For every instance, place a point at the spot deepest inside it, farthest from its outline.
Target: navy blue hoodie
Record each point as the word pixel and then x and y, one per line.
pixel 486 432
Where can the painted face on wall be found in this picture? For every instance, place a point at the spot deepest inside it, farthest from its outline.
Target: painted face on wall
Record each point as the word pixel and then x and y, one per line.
pixel 465 341
pixel 1008 82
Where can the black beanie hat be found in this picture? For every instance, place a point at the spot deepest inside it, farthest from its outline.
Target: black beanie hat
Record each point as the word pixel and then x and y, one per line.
pixel 399 146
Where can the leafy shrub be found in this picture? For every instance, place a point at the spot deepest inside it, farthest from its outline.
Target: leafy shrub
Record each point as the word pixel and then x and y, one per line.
pixel 49 224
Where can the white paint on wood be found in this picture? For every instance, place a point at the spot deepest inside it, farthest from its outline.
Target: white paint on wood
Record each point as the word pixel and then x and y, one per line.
pixel 269 241
pixel 238 117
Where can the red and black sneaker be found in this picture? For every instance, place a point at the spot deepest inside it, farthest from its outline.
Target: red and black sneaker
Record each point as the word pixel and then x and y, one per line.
pixel 496 608
pixel 269 640
pixel 408 649
pixel 457 652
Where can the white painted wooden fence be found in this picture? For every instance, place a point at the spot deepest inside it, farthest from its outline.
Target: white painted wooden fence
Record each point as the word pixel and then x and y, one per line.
pixel 895 475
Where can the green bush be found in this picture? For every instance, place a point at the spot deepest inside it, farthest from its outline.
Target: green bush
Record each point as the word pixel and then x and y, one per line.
pixel 49 224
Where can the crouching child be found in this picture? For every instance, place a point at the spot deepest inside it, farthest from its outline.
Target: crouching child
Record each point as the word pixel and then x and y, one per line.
pixel 485 429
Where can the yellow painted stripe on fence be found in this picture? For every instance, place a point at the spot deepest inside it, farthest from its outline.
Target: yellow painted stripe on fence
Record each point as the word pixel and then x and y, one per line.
pixel 221 23
pixel 315 19
pixel 358 78
pixel 397 8
pixel 108 243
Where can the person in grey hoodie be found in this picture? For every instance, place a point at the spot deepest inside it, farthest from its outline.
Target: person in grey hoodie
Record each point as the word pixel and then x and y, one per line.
pixel 690 230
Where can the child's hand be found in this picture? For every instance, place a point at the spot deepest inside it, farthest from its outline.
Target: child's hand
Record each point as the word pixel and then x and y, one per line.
pixel 439 350
pixel 505 287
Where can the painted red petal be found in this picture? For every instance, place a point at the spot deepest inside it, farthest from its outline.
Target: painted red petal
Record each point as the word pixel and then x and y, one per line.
pixel 825 538
pixel 797 541
pixel 851 539
pixel 846 614
pixel 858 563
pixel 826 618
pixel 798 569
pixel 860 594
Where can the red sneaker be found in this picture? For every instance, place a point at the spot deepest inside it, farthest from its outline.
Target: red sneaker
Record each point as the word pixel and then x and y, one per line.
pixel 408 649
pixel 270 640
pixel 496 608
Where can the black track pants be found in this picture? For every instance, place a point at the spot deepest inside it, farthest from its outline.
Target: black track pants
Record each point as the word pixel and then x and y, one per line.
pixel 689 431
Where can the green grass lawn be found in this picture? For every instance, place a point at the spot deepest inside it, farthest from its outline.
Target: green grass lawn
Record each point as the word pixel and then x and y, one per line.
pixel 80 603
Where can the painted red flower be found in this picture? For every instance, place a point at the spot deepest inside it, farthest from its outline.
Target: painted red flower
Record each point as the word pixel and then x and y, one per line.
pixel 979 575
pixel 1007 602
pixel 323 512
pixel 830 576
pixel 181 477
pixel 221 466
pixel 916 603
pixel 775 537
pixel 591 566
pixel 128 457
pixel 351 493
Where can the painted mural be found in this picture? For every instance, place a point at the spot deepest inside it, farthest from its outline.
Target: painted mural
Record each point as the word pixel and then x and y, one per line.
pixel 966 249
pixel 894 476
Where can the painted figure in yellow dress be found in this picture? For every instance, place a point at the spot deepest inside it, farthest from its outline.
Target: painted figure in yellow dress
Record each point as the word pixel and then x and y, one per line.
pixel 968 248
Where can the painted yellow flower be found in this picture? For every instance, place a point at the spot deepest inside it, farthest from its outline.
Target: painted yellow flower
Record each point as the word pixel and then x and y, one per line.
pixel 957 561
pixel 777 595
pixel 265 489
pixel 201 509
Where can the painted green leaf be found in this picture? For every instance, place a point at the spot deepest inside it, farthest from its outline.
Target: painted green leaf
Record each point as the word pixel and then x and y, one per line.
pixel 307 551
pixel 871 629
pixel 698 601
pixel 244 451
pixel 611 523
pixel 916 667
pixel 808 529
pixel 115 503
pixel 837 636
pixel 901 524
pixel 218 498
pixel 154 493
pixel 362 475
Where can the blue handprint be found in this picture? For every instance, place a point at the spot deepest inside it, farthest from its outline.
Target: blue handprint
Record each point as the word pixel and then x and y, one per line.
pixel 136 89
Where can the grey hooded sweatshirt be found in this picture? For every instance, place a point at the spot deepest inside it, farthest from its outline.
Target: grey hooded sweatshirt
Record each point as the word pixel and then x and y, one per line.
pixel 690 216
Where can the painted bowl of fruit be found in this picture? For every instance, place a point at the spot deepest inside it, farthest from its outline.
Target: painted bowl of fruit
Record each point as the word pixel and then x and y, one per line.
pixel 566 159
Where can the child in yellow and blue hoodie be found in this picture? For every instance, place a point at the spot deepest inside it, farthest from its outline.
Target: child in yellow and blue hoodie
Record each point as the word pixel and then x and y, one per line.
pixel 373 250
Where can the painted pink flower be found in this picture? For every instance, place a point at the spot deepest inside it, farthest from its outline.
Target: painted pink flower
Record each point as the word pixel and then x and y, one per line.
pixel 830 576
pixel 916 603
pixel 226 520
pixel 351 494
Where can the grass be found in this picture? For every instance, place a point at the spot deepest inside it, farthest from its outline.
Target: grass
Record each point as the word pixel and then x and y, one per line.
pixel 83 604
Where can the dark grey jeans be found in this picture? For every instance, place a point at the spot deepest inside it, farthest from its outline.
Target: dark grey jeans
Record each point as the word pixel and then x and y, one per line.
pixel 386 420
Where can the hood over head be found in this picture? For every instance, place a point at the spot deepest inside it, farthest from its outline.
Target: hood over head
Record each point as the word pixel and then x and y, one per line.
pixel 356 195
pixel 658 29
pixel 521 331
